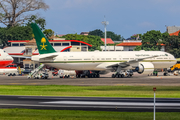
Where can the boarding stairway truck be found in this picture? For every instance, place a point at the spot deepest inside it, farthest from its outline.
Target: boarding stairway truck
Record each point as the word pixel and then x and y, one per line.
pixel 35 71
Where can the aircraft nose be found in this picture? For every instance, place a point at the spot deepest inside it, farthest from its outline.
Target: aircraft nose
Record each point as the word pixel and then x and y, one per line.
pixel 8 57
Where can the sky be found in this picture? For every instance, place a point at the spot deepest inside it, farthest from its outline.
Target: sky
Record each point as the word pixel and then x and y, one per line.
pixel 125 17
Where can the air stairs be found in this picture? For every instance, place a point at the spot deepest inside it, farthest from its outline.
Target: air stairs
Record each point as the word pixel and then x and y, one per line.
pixel 35 71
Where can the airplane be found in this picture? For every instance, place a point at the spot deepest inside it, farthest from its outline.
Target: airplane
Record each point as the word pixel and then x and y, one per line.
pixel 5 58
pixel 143 62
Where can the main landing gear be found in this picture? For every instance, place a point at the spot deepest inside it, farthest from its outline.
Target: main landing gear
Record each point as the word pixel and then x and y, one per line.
pixel 88 74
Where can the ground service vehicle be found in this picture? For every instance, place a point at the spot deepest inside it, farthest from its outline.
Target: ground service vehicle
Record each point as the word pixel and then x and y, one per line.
pixel 175 67
pixel 66 73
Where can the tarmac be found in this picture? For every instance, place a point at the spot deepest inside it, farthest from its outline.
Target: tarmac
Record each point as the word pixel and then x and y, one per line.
pixel 136 80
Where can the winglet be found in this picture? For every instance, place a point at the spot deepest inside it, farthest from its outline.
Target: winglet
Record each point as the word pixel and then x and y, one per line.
pixel 42 42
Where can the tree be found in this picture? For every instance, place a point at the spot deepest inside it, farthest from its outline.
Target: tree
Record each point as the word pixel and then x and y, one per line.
pixel 48 33
pixel 15 33
pixel 152 40
pixel 114 36
pixel 38 20
pixel 15 12
pixel 97 32
pixel 173 45
pixel 95 41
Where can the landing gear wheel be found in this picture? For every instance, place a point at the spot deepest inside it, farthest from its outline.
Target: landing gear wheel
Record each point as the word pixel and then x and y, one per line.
pixel 89 76
pixel 77 76
pixel 98 75
pixel 122 75
pixel 95 76
pixel 92 75
pixel 119 76
pixel 113 76
pixel 165 74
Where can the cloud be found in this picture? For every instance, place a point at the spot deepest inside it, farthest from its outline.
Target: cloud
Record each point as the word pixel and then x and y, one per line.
pixel 147 25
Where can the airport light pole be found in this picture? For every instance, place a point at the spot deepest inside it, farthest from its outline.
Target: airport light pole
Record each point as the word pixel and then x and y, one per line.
pixel 105 23
pixel 154 89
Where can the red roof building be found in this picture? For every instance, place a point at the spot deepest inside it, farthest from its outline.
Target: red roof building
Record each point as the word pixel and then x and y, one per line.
pixel 129 44
pixel 108 40
pixel 175 33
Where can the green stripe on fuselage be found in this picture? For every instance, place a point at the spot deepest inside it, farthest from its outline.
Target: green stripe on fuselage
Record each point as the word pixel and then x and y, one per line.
pixel 104 61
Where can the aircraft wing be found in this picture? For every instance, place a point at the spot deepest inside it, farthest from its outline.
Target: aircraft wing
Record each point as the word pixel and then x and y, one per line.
pixel 47 57
pixel 128 63
pixel 19 56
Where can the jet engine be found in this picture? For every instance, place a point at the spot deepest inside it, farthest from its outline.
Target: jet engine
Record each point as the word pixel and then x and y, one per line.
pixel 145 68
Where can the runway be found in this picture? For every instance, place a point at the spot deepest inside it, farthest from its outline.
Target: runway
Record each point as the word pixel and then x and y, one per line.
pixel 91 103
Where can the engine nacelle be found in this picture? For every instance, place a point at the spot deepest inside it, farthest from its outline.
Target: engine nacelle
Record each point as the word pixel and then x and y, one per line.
pixel 145 68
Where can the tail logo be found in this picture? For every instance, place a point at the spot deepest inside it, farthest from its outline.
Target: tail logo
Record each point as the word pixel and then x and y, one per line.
pixel 43 41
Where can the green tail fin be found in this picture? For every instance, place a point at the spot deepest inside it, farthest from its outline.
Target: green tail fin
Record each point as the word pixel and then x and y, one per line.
pixel 42 42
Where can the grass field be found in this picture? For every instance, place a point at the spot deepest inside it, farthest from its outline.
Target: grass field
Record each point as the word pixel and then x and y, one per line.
pixel 91 91
pixel 24 114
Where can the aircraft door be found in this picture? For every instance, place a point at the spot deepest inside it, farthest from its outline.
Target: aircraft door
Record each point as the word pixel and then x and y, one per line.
pixel 92 58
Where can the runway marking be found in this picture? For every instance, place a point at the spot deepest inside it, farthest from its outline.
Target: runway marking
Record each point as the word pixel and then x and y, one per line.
pixel 110 103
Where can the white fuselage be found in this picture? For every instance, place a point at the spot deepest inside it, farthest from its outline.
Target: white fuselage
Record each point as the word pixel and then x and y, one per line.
pixel 100 60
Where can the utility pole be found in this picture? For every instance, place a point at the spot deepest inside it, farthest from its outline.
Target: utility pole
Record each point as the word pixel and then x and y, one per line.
pixel 154 89
pixel 105 23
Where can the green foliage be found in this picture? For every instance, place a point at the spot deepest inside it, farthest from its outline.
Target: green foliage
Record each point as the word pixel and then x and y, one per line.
pixel 152 40
pixel 48 33
pixel 114 36
pixel 21 32
pixel 15 33
pixel 96 91
pixel 110 34
pixel 95 41
pixel 97 32
pixel 41 22
pixel 138 48
pixel 173 45
pixel 153 48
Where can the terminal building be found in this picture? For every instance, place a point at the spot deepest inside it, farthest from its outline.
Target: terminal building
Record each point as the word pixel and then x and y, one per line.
pixel 26 48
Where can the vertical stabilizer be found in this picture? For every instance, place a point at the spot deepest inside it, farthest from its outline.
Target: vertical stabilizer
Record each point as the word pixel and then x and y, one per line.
pixel 42 42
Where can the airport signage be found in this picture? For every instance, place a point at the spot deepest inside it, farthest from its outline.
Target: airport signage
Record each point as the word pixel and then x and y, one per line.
pixel 154 89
